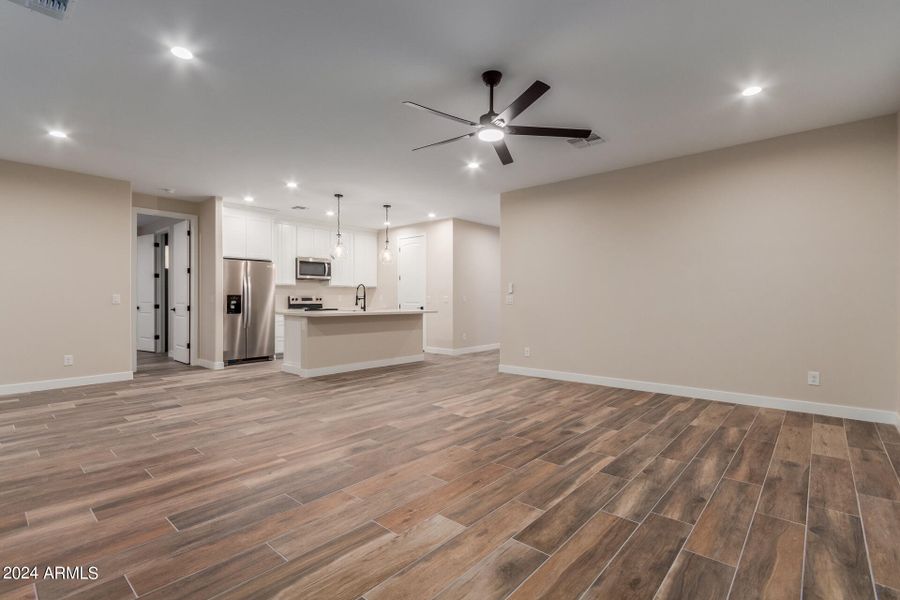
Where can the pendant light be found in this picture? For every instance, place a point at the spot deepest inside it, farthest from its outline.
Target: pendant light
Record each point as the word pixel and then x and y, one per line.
pixel 338 251
pixel 386 255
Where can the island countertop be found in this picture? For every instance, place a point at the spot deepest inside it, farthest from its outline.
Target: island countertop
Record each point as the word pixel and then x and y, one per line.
pixel 376 312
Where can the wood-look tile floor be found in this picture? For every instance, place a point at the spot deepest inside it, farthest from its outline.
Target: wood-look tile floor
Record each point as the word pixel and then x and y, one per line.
pixel 441 480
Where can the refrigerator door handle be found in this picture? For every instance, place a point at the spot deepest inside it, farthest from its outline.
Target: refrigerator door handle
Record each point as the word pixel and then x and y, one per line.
pixel 248 293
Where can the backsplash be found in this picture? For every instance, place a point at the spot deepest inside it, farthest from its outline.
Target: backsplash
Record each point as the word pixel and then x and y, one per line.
pixel 332 297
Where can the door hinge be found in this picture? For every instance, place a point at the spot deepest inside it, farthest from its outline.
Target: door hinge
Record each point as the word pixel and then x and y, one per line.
pixel 156 337
pixel 189 232
pixel 189 269
pixel 189 308
pixel 156 306
pixel 156 244
pixel 156 275
pixel 188 345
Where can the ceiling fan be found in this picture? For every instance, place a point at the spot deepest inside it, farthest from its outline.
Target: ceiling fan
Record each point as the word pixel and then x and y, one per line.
pixel 492 127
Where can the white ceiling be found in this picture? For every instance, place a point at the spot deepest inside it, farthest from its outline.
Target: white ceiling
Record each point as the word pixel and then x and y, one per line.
pixel 312 90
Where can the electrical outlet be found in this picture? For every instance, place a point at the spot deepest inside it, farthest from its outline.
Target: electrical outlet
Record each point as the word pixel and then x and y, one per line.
pixel 509 298
pixel 68 360
pixel 117 298
pixel 812 377
pixel 527 351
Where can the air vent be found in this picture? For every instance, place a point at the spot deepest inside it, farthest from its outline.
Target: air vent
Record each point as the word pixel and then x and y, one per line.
pixel 53 8
pixel 298 207
pixel 591 140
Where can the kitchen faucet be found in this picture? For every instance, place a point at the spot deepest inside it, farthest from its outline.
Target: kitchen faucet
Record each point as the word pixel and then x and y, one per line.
pixel 363 297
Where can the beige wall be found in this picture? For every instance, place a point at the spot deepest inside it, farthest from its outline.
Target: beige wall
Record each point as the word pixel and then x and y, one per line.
pixel 438 278
pixel 476 284
pixel 65 243
pixel 462 282
pixel 738 270
pixel 210 308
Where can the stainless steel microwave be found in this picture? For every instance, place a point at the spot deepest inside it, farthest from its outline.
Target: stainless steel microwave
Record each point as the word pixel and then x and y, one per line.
pixel 313 268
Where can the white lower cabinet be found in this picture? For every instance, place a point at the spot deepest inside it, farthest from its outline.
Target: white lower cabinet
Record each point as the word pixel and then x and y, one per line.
pixel 279 334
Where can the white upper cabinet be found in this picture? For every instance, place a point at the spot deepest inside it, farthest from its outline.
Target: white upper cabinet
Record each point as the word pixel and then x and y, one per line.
pixel 259 238
pixel 246 235
pixel 285 253
pixel 342 268
pixel 365 258
pixel 322 245
pixel 234 235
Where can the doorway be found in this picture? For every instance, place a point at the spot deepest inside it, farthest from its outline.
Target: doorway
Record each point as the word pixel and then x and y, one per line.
pixel 163 286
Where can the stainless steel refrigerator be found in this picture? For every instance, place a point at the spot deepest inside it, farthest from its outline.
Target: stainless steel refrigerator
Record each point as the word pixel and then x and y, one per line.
pixel 249 309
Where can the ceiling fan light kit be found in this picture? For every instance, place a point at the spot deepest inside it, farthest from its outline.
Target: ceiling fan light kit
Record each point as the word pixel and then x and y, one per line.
pixel 493 127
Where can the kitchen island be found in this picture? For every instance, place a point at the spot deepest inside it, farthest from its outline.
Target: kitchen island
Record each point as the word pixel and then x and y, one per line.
pixel 326 342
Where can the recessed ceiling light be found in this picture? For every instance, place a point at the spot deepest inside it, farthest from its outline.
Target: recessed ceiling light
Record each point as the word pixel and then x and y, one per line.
pixel 751 91
pixel 168 190
pixel 330 213
pixel 181 52
pixel 431 215
pixel 473 164
pixel 58 134
pixel 291 185
pixel 249 198
pixel 490 134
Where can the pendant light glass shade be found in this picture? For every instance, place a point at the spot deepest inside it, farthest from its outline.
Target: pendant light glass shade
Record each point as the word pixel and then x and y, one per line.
pixel 337 252
pixel 386 255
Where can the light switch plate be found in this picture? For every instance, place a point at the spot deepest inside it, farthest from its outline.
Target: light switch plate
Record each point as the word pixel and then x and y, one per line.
pixel 509 298
pixel 117 298
pixel 812 377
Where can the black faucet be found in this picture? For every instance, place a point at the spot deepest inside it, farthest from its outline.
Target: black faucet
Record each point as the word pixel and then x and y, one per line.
pixel 363 297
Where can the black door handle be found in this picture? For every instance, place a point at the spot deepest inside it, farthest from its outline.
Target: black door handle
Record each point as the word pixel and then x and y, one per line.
pixel 172 309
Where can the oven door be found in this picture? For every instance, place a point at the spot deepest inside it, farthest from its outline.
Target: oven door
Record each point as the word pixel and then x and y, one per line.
pixel 313 268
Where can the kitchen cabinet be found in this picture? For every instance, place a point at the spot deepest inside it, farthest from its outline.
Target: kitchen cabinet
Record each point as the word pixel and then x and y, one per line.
pixel 342 272
pixel 313 241
pixel 234 236
pixel 279 334
pixel 246 235
pixel 285 253
pixel 365 258
pixel 259 238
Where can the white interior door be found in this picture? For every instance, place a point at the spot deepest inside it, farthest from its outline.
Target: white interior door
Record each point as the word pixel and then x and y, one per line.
pixel 179 273
pixel 146 294
pixel 411 272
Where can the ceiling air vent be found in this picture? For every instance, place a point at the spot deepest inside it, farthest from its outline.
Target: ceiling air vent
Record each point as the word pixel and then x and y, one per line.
pixel 591 140
pixel 53 8
pixel 298 207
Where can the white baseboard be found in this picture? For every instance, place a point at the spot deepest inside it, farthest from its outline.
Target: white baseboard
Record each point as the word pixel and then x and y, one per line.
pixel 371 364
pixel 459 351
pixel 818 408
pixel 208 364
pixel 55 384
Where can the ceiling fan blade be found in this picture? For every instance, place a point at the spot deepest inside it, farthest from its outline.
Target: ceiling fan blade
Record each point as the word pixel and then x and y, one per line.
pixel 548 131
pixel 528 97
pixel 502 152
pixel 453 139
pixel 440 114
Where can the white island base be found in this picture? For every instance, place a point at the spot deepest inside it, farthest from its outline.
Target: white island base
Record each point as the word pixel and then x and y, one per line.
pixel 326 342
